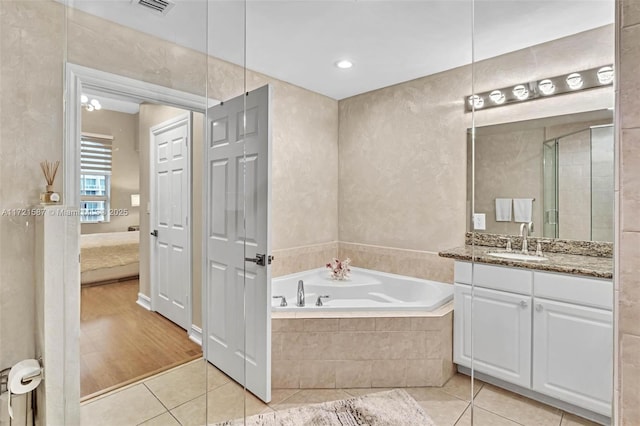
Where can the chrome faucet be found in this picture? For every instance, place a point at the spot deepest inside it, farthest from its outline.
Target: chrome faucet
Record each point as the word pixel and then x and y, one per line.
pixel 300 301
pixel 525 230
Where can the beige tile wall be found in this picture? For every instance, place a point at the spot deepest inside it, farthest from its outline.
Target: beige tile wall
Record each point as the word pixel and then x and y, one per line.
pixel 628 193
pixel 413 263
pixel 362 352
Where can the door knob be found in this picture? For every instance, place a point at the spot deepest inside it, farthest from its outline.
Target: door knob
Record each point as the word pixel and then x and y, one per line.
pixel 539 307
pixel 523 304
pixel 154 233
pixel 260 259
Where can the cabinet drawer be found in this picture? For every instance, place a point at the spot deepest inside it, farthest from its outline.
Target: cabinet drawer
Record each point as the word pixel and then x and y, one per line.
pixel 462 272
pixel 503 278
pixel 574 289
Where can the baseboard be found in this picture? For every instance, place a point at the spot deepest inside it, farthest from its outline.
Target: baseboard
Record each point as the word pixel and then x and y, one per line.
pixel 195 334
pixel 144 301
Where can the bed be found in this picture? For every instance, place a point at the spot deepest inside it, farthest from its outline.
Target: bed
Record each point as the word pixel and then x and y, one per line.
pixel 109 256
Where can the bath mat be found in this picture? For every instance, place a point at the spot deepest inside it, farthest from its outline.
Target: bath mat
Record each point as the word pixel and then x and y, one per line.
pixel 390 408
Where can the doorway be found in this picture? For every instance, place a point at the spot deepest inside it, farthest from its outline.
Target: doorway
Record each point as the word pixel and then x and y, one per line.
pixel 126 332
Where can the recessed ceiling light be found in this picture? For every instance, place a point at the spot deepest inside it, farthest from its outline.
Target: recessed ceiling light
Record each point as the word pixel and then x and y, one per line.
pixel 344 64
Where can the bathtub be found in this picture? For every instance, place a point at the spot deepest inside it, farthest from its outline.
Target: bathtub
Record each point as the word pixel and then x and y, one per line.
pixel 365 290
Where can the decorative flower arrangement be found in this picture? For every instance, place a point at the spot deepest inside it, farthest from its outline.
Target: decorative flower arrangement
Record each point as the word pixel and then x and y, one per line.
pixel 339 269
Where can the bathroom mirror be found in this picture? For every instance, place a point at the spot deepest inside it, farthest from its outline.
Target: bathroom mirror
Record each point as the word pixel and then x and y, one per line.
pixel 563 163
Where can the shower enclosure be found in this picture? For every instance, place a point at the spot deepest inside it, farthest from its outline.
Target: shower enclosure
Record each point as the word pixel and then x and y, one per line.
pixel 578 185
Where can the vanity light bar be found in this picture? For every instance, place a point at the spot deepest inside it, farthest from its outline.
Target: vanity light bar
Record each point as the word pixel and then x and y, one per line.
pixel 543 88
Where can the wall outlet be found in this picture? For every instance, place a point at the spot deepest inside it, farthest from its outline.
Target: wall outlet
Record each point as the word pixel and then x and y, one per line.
pixel 479 221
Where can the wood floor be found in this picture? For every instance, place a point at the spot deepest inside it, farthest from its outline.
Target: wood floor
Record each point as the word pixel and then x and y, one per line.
pixel 121 341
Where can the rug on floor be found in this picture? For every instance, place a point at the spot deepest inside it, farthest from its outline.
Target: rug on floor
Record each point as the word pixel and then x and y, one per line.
pixel 390 408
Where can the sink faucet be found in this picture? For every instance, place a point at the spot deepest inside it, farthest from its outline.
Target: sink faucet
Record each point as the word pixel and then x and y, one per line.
pixel 300 301
pixel 525 230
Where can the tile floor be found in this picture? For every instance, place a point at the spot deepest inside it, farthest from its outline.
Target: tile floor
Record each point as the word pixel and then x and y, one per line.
pixel 177 397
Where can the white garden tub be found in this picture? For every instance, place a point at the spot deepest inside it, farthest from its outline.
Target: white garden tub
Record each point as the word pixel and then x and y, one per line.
pixel 365 290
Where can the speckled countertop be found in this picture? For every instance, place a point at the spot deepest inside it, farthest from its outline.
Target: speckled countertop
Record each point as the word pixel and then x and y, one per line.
pixel 599 267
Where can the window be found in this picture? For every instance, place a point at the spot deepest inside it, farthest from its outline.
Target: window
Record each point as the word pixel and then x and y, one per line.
pixel 95 178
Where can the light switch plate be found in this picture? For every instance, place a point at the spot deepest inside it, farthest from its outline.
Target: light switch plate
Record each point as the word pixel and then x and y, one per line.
pixel 479 221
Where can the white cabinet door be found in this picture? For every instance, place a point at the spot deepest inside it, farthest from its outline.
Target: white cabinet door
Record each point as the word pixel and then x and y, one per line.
pixel 573 355
pixel 501 333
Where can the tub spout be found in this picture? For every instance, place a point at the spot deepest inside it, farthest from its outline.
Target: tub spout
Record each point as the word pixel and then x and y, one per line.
pixel 300 301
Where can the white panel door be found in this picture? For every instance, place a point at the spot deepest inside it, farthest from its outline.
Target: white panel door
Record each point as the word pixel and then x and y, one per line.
pixel 238 328
pixel 573 355
pixel 501 333
pixel 170 254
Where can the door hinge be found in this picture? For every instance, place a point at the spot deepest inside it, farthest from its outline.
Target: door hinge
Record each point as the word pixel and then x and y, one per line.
pixel 186 219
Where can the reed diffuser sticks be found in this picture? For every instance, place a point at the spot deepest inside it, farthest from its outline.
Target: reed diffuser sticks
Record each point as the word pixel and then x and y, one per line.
pixel 49 170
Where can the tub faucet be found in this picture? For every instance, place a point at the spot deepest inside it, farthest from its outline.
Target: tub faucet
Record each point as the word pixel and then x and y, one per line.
pixel 300 301
pixel 525 230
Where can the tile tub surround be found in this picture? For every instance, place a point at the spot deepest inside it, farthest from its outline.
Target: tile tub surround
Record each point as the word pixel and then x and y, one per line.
pixel 549 245
pixel 599 267
pixel 414 263
pixel 289 261
pixel 362 350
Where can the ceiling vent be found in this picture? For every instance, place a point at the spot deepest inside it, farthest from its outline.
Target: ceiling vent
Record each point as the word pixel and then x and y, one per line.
pixel 160 7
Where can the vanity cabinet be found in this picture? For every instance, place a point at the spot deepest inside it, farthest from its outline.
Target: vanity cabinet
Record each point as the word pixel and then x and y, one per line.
pixel 500 320
pixel 573 340
pixel 545 332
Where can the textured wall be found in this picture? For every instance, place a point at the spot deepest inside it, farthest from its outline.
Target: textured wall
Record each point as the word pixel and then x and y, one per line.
pixel 31 49
pixel 125 168
pixel 509 165
pixel 628 220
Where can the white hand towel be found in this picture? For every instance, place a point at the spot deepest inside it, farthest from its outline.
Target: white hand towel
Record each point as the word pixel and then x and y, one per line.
pixel 522 208
pixel 503 209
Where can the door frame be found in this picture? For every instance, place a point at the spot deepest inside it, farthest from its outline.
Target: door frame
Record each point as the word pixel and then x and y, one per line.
pixel 66 357
pixel 152 212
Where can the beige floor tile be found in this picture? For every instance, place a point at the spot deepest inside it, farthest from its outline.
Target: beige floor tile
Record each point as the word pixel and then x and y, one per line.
pixel 191 413
pixel 215 377
pixel 128 407
pixel 230 401
pixel 365 391
pixel 516 407
pixel 443 408
pixel 279 395
pixel 460 386
pixel 311 396
pixel 483 418
pixel 165 419
pixel 572 420
pixel 179 385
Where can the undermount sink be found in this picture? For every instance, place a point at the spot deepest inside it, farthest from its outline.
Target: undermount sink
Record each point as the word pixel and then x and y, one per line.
pixel 518 256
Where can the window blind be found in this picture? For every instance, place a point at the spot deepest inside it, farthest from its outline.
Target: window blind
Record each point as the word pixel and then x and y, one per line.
pixel 95 154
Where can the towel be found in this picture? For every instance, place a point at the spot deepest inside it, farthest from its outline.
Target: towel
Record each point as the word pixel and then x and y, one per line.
pixel 503 209
pixel 522 208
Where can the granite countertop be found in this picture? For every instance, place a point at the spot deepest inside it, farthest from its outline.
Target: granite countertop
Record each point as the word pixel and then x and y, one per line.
pixel 592 266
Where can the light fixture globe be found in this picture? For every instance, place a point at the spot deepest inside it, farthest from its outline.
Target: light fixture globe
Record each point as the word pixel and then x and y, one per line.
pixel 605 75
pixel 476 101
pixel 546 87
pixel 497 97
pixel 521 92
pixel 575 81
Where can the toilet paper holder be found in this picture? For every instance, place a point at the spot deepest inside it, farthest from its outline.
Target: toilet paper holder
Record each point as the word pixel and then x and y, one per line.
pixel 4 377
